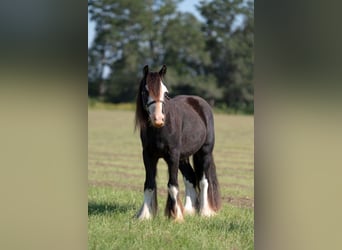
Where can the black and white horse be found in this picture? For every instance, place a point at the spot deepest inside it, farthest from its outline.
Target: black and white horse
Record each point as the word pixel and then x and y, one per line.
pixel 175 129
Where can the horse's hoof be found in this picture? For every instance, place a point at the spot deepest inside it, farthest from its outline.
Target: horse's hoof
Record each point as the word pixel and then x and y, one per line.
pixel 179 220
pixel 189 211
pixel 207 213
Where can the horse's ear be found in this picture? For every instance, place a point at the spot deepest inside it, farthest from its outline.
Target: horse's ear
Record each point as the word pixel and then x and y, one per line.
pixel 162 71
pixel 145 70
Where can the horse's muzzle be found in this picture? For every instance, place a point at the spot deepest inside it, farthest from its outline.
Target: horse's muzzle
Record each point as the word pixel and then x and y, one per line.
pixel 158 122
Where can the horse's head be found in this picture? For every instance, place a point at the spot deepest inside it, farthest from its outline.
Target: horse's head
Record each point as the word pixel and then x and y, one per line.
pixel 153 93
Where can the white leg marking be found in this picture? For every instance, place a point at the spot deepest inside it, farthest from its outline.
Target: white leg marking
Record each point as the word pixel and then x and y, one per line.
pixel 205 209
pixel 173 191
pixel 149 207
pixel 190 197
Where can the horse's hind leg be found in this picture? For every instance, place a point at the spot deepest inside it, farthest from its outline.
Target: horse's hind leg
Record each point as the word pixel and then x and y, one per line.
pixel 189 178
pixel 209 198
pixel 149 206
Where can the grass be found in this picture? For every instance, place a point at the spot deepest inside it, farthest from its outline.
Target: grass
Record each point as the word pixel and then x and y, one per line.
pixel 96 104
pixel 116 176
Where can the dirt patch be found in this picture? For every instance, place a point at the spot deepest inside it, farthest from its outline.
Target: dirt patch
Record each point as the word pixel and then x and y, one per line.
pixel 97 163
pixel 116 173
pixel 115 185
pixel 234 185
pixel 229 162
pixel 244 202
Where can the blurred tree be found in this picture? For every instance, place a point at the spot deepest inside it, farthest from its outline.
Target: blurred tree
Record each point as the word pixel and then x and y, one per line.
pixel 228 29
pixel 96 64
pixel 127 36
pixel 186 55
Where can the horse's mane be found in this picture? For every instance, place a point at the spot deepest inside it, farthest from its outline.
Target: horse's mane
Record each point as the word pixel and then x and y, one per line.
pixel 140 113
pixel 152 80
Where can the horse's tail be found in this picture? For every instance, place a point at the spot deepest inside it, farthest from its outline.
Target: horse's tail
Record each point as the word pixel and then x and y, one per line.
pixel 214 195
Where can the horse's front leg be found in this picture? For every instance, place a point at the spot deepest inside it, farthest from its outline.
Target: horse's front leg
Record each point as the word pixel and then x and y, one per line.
pixel 149 206
pixel 174 208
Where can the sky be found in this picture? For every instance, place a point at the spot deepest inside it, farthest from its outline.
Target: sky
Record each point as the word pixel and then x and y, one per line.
pixel 185 6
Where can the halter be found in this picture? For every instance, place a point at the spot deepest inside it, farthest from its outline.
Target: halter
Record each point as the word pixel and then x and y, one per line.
pixel 150 103
pixel 147 105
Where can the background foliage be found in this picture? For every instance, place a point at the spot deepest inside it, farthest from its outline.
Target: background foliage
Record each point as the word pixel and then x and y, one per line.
pixel 211 57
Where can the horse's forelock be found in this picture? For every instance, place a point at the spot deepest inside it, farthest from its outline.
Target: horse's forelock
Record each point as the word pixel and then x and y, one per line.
pixel 153 82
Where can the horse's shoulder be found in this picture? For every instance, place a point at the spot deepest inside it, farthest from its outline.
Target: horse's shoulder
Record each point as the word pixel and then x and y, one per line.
pixel 191 100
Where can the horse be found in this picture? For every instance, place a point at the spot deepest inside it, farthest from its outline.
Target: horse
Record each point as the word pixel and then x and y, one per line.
pixel 176 129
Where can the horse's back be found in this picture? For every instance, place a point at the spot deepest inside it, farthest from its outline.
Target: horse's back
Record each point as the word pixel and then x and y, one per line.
pixel 189 98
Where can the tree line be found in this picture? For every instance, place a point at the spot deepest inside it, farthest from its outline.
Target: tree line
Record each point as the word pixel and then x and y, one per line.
pixel 211 57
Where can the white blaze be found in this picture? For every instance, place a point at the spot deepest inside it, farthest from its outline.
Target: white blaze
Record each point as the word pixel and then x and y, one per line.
pixel 156 108
pixel 163 88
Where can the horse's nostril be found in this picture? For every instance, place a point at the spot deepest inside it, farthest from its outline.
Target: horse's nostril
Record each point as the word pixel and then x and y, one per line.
pixel 161 119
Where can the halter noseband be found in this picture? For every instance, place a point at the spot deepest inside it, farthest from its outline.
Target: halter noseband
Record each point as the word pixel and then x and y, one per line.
pixel 147 105
pixel 153 102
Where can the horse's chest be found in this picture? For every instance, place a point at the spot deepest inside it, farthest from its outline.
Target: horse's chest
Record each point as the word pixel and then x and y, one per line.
pixel 159 144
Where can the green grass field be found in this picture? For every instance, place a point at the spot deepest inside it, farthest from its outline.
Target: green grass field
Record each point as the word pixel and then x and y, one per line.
pixel 116 178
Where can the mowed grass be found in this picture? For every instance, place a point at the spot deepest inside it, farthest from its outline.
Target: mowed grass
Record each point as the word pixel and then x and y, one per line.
pixel 116 177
